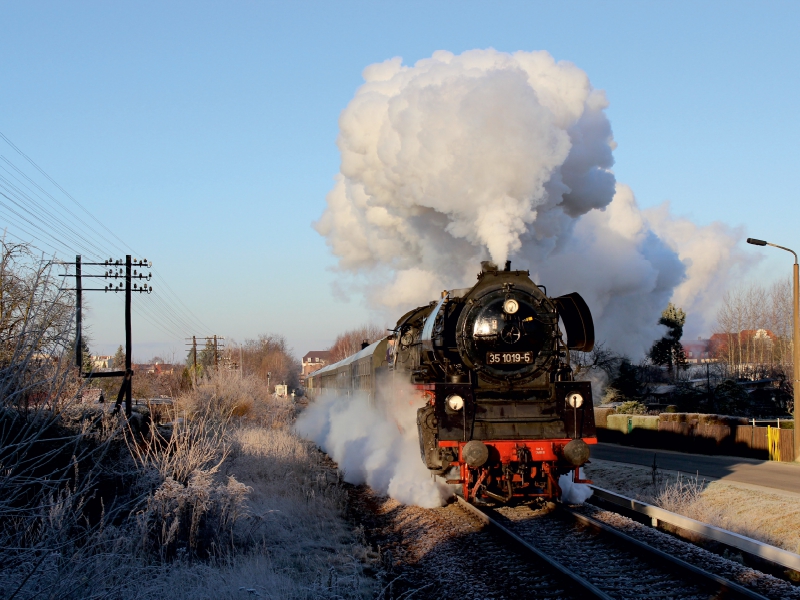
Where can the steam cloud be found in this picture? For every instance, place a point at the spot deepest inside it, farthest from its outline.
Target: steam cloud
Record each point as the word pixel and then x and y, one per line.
pixel 488 155
pixel 574 493
pixel 459 159
pixel 376 445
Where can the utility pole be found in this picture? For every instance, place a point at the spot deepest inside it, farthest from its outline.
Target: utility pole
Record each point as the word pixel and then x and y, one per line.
pixel 241 364
pixel 194 360
pixel 128 340
pixel 209 340
pixel 113 271
pixel 78 315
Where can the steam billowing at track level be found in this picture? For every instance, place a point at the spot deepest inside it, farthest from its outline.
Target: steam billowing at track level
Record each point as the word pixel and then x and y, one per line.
pixel 374 445
pixel 486 371
pixel 489 155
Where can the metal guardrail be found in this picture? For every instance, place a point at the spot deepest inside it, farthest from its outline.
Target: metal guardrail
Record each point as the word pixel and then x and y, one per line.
pixel 726 586
pixel 771 553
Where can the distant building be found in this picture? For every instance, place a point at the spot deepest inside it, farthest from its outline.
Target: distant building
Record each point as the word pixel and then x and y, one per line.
pixel 746 345
pixel 699 351
pixel 155 368
pixel 313 361
pixel 102 363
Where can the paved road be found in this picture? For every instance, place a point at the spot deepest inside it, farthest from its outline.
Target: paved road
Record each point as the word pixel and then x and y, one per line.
pixel 778 475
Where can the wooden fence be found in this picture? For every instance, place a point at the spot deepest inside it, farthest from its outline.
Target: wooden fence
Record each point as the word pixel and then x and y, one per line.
pixel 766 443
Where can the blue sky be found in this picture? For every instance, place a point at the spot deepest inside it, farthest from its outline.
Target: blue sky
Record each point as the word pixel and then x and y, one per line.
pixel 203 134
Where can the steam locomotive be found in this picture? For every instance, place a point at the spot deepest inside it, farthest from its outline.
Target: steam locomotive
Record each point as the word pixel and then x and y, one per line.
pixel 499 412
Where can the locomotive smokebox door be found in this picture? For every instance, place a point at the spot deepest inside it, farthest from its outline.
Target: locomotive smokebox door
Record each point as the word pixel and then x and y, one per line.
pixel 575 405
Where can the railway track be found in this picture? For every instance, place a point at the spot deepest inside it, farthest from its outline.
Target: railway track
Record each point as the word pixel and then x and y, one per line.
pixel 763 556
pixel 603 562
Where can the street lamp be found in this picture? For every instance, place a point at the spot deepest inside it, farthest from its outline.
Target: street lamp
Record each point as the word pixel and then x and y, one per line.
pixel 795 341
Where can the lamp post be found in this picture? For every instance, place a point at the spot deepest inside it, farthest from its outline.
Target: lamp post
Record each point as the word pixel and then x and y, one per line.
pixel 795 340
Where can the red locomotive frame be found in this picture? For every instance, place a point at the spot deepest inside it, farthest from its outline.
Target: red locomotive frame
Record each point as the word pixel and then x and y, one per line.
pixel 544 451
pixel 545 454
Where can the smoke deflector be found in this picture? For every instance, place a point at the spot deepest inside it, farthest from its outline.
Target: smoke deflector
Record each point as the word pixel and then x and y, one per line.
pixel 577 321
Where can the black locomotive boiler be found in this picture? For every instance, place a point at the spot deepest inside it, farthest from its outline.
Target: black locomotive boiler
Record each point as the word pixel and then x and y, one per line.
pixel 499 411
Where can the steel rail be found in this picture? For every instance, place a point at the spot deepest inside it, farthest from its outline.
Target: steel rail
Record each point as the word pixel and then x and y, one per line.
pixel 496 525
pixel 766 552
pixel 725 585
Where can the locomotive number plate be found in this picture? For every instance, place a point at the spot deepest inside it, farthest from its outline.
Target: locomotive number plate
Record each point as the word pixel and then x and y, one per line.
pixel 509 358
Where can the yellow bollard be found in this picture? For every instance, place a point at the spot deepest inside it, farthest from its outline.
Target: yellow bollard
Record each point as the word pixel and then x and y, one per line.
pixel 774 442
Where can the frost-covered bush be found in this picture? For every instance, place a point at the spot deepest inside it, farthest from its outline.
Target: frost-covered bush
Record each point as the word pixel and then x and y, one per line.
pixel 190 510
pixel 611 395
pixel 95 505
pixel 224 395
pixel 632 408
pixel 197 517
pixel 187 446
pixel 68 482
pixel 677 496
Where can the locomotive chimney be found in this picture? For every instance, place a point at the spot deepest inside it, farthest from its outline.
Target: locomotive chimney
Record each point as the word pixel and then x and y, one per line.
pixel 364 344
pixel 508 266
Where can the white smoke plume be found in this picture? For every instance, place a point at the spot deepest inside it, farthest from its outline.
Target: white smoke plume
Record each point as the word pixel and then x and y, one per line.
pixel 574 493
pixel 599 380
pixel 712 258
pixel 462 158
pixel 374 444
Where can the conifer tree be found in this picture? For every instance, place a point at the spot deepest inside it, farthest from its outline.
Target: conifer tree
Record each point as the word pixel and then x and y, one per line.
pixel 119 359
pixel 668 351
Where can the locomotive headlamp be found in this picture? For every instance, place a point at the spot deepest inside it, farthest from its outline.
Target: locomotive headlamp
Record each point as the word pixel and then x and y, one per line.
pixel 455 402
pixel 575 400
pixel 510 306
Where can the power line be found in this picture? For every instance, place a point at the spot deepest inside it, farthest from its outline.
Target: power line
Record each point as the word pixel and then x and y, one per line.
pixel 25 204
pixel 99 223
pixel 76 240
pixel 64 212
pixel 63 191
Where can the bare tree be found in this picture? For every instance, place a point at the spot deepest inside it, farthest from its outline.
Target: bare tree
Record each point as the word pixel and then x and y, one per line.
pixel 31 302
pixel 270 358
pixel 753 333
pixel 350 341
pixel 780 320
pixel 601 358
pixel 35 323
